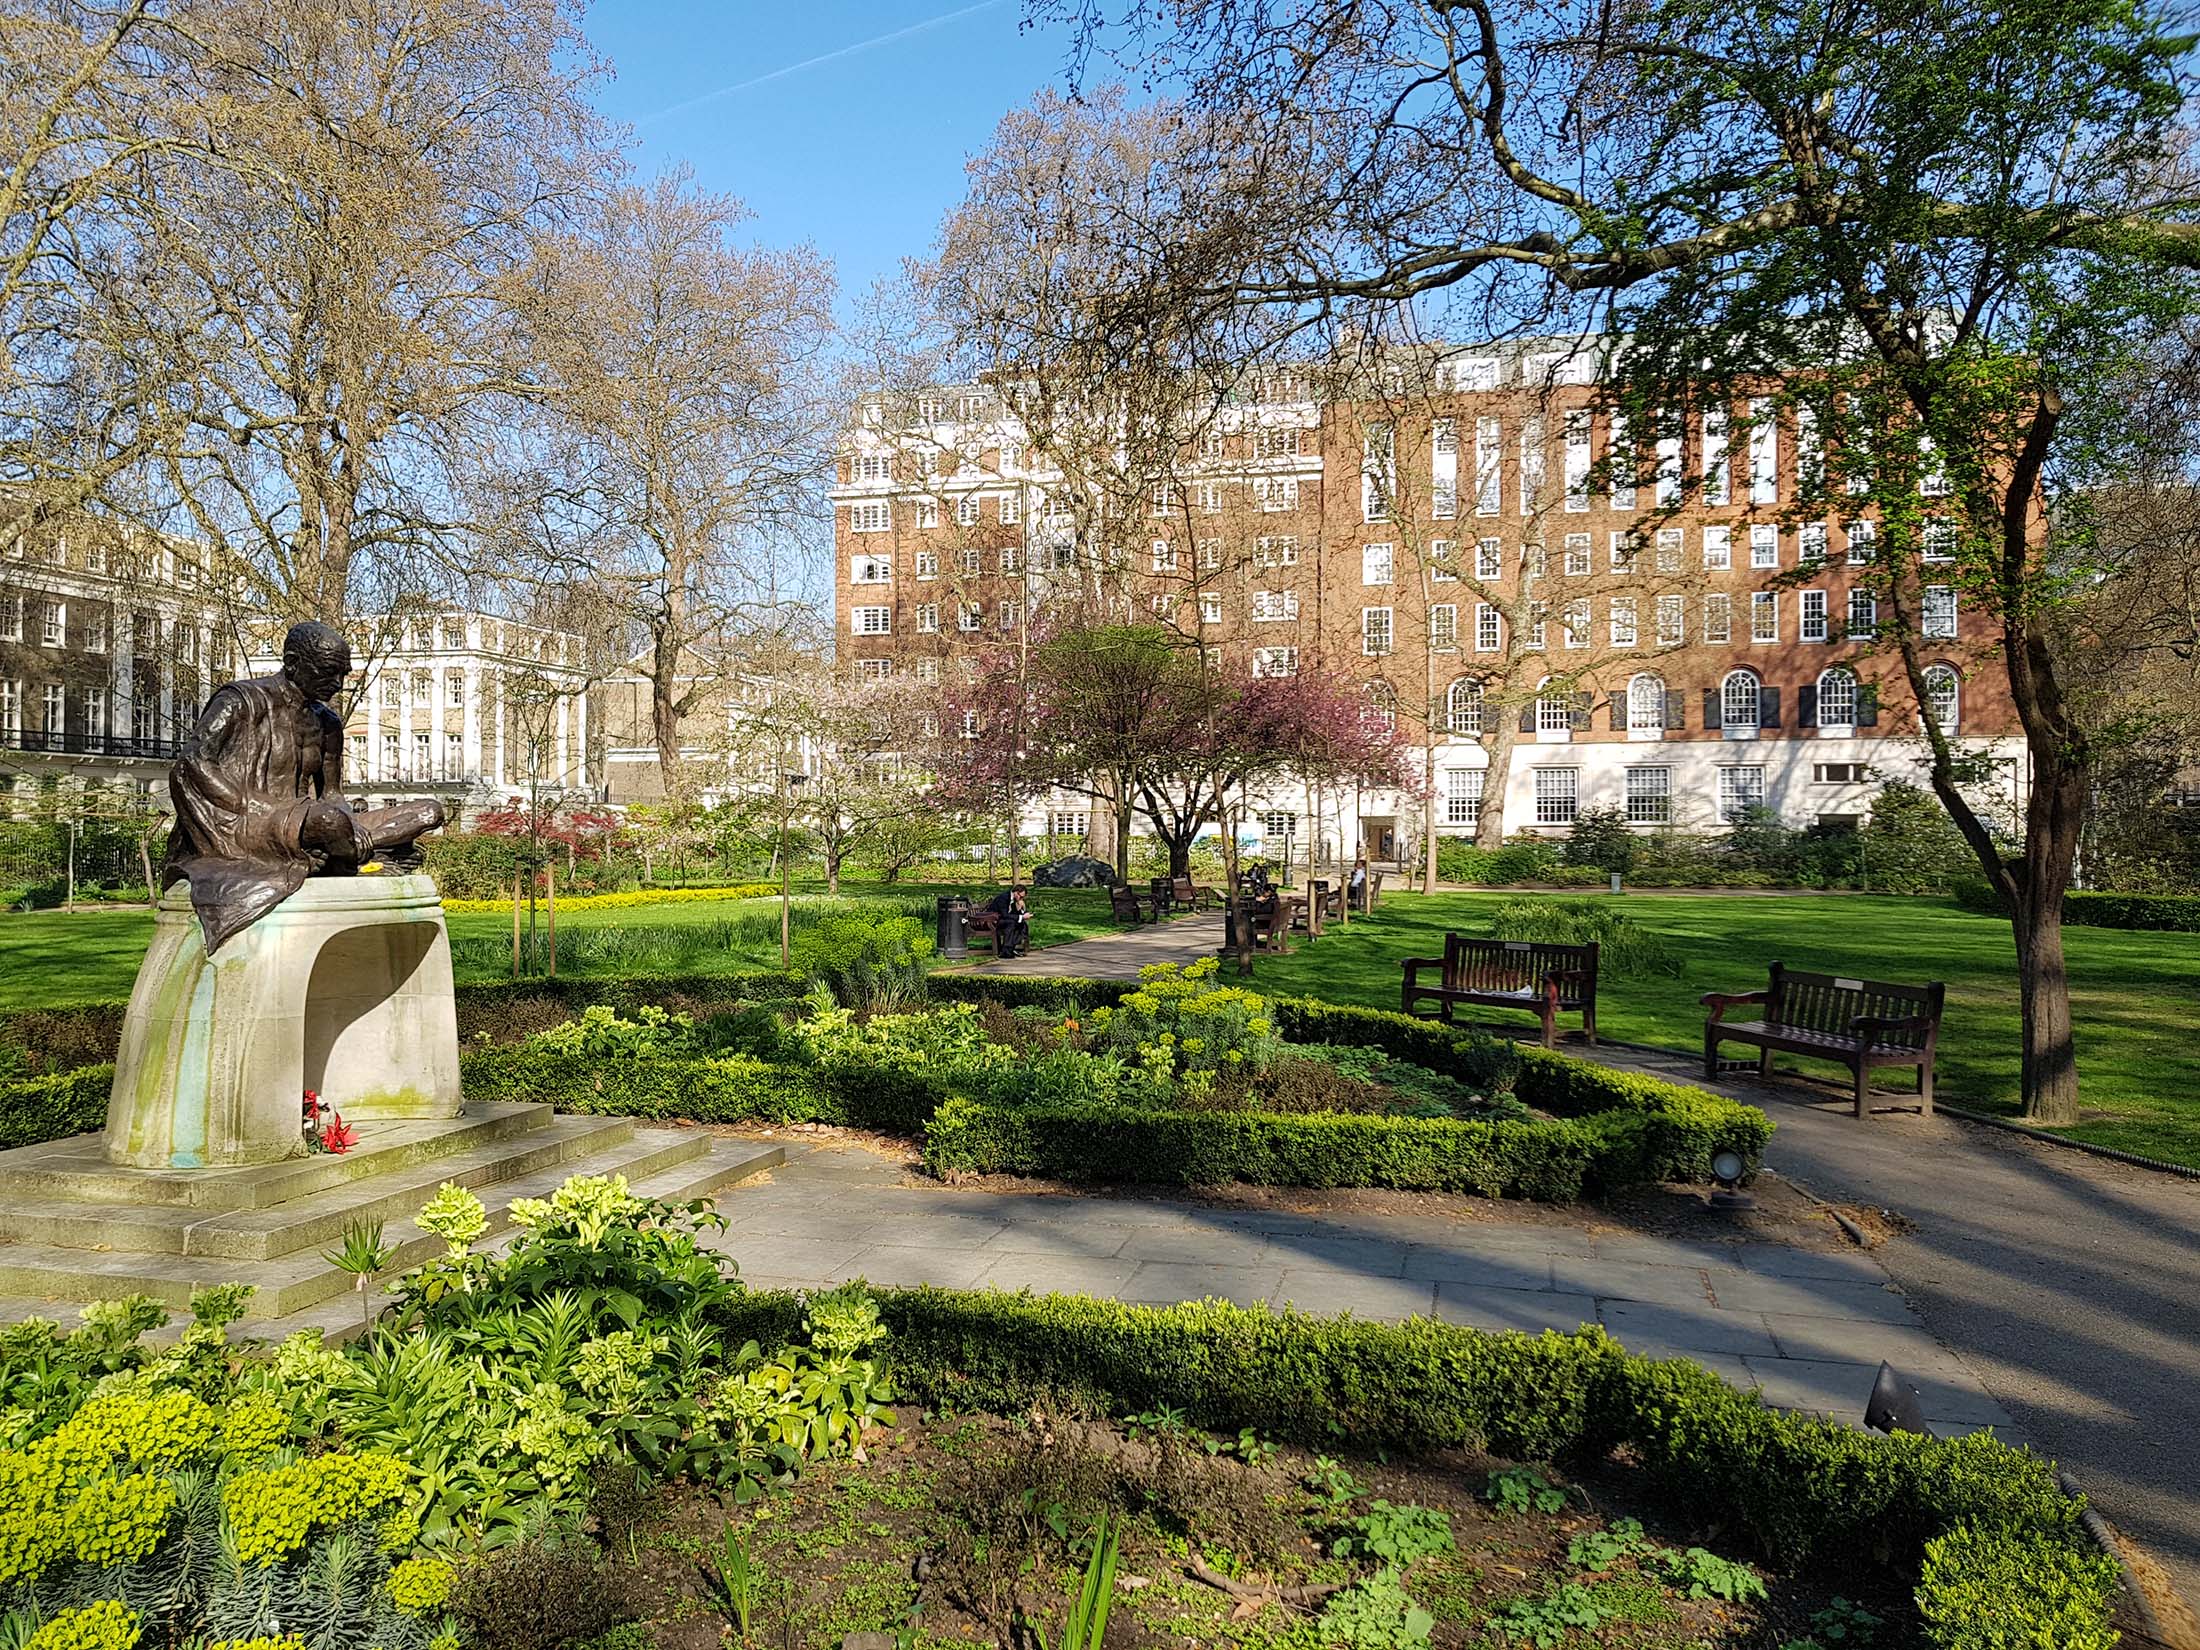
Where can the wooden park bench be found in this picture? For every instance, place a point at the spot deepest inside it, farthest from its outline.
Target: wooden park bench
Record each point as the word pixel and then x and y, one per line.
pixel 1549 978
pixel 983 927
pixel 1863 1024
pixel 1126 905
pixel 1192 896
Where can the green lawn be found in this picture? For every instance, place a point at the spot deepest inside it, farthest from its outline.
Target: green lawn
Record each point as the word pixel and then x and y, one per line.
pixel 2135 995
pixel 50 957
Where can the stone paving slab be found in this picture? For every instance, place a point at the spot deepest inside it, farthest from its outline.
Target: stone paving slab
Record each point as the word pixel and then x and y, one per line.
pixel 1808 1328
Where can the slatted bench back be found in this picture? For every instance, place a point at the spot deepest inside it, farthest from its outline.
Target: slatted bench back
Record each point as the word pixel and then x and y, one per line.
pixel 1828 1003
pixel 1509 966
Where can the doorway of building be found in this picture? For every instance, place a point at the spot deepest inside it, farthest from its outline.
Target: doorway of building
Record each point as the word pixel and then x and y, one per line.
pixel 1379 838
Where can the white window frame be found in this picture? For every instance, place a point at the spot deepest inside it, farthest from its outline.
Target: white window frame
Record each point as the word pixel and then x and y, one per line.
pixel 1741 785
pixel 1717 459
pixel 1275 661
pixel 1443 443
pixel 928 564
pixel 1463 795
pixel 1718 549
pixel 1489 628
pixel 927 513
pixel 1646 706
pixel 1489 466
pixel 866 569
pixel 1210 607
pixel 1764 617
pixel 1277 493
pixel 1274 606
pixel 1937 616
pixel 1620 459
pixel 1764 544
pixel 1672 620
pixel 1863 615
pixel 1577 461
pixel 1863 542
pixel 1811 621
pixel 1848 696
pixel 1649 794
pixel 1443 568
pixel 1575 621
pixel 1557 794
pixel 1625 622
pixel 966 510
pixel 928 618
pixel 1580 555
pixel 1944 687
pixel 1741 704
pixel 1443 627
pixel 1164 556
pixel 1764 453
pixel 1465 702
pixel 969 617
pixel 1378 636
pixel 1378 563
pixel 872 515
pixel 1668 549
pixel 871 621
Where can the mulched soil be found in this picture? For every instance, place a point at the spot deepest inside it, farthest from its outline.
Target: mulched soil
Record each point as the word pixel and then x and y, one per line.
pixel 964 1530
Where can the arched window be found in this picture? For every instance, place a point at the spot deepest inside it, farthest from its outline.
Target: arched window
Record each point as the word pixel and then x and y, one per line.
pixel 1837 698
pixel 1943 688
pixel 1554 712
pixel 1738 701
pixel 1382 699
pixel 1463 706
pixel 1646 704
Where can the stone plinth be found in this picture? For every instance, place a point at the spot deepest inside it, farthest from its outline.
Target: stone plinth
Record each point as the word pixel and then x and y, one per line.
pixel 344 988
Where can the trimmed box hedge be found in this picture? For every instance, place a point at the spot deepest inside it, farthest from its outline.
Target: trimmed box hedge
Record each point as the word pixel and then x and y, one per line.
pixel 2166 913
pixel 86 1034
pixel 34 1110
pixel 1981 1530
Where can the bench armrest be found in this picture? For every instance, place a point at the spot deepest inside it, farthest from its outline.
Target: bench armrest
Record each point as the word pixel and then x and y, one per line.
pixel 1414 965
pixel 1720 1001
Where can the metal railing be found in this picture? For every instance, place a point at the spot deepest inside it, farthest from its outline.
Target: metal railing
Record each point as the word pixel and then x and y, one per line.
pixel 88 744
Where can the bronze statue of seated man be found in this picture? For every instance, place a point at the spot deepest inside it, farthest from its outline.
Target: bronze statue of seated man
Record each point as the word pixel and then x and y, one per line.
pixel 258 793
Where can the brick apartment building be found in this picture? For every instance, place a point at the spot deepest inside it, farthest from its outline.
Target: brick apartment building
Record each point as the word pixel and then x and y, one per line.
pixel 1676 652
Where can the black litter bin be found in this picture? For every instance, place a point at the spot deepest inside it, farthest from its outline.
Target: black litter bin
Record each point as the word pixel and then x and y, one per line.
pixel 954 925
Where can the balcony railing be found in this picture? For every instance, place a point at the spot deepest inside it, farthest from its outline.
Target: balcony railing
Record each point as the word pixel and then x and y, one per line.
pixel 88 744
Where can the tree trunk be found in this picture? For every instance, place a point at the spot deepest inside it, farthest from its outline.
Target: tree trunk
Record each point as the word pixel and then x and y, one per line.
pixel 832 867
pixel 1123 838
pixel 2050 1076
pixel 1428 824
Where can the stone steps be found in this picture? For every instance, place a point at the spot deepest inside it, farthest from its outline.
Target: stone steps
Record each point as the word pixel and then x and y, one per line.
pixel 317 1221
pixel 77 1169
pixel 669 1163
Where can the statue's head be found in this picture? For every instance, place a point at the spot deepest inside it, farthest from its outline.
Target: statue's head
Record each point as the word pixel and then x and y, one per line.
pixel 317 658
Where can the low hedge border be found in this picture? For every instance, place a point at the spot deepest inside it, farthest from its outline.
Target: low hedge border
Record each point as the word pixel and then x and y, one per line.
pixel 34 1110
pixel 88 1034
pixel 2166 913
pixel 1995 1549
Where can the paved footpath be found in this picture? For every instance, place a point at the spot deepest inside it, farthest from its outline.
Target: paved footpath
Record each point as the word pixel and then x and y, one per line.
pixel 1807 1326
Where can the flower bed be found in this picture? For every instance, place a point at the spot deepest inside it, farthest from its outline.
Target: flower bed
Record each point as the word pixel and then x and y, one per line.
pixel 1172 1082
pixel 478 1470
pixel 621 901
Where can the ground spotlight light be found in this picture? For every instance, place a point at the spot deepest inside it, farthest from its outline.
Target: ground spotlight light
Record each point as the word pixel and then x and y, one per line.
pixel 1894 1405
pixel 1727 1168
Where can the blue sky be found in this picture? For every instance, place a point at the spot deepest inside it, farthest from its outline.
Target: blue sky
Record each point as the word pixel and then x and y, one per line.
pixel 861 153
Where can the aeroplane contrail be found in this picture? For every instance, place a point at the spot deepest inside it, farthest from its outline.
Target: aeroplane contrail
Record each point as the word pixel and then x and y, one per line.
pixel 813 62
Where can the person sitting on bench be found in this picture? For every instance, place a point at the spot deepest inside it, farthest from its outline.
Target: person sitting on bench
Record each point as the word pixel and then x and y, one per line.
pixel 1015 935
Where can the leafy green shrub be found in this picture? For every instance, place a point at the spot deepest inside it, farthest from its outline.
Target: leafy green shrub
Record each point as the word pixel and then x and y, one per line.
pixel 1908 844
pixel 1625 949
pixel 874 964
pixel 1983 1588
pixel 1394 1084
pixel 1183 1028
pixel 1398 1535
pixel 1602 840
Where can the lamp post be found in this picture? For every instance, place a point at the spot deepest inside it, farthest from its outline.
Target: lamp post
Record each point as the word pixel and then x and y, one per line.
pixel 786 871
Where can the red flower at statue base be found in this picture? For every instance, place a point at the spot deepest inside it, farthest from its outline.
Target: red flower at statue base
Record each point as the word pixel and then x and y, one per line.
pixel 335 1136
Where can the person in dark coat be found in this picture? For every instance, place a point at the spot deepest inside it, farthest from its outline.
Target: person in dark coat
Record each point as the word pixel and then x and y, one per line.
pixel 1015 935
